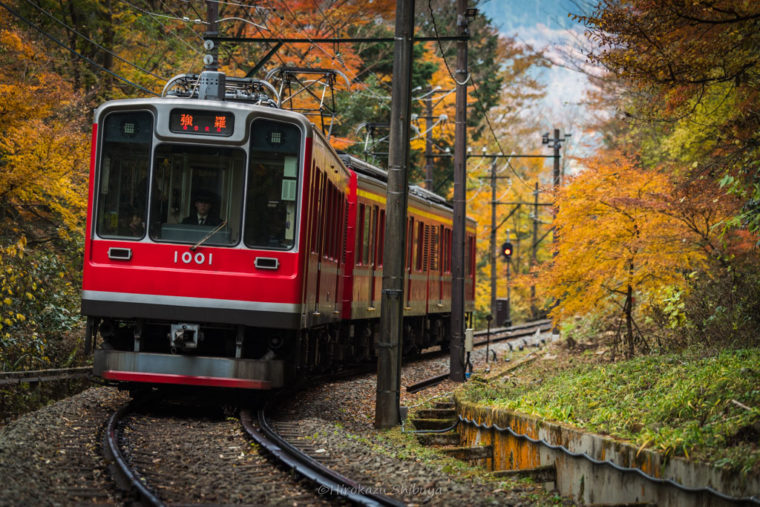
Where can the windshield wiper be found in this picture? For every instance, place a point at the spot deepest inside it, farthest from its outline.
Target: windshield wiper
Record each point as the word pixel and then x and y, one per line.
pixel 207 236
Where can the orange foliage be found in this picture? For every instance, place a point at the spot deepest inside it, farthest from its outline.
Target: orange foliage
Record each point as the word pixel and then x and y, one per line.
pixel 619 228
pixel 43 153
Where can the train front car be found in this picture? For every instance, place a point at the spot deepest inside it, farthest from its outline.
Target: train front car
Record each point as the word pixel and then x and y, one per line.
pixel 192 273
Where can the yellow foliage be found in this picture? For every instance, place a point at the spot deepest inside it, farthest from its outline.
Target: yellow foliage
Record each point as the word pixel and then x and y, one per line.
pixel 44 154
pixel 614 233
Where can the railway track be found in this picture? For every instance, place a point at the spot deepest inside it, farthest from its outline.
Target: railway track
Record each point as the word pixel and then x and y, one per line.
pixel 179 454
pixel 290 446
pixel 182 455
pixel 523 335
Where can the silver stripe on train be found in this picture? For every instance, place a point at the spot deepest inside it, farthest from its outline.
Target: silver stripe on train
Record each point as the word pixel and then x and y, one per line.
pixel 222 304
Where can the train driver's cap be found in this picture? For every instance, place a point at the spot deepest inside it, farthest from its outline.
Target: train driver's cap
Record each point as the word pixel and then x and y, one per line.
pixel 204 197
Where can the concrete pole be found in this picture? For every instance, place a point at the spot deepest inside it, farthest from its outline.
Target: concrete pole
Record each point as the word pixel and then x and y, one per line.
pixel 456 347
pixel 533 254
pixel 492 243
pixel 387 412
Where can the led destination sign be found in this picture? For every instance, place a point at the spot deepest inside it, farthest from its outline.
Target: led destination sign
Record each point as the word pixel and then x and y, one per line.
pixel 213 123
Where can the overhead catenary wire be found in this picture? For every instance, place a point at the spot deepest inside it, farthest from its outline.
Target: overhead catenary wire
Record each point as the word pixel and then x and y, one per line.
pixel 74 30
pixel 155 17
pixel 74 52
pixel 162 25
pixel 440 47
pixel 469 78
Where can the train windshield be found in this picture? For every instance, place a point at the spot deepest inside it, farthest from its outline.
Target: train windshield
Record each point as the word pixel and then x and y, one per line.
pixel 271 203
pixel 123 184
pixel 197 194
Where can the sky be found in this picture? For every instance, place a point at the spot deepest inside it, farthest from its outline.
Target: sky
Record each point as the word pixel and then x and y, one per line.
pixel 545 25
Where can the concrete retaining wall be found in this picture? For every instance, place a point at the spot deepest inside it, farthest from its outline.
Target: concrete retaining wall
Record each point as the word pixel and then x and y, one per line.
pixel 591 483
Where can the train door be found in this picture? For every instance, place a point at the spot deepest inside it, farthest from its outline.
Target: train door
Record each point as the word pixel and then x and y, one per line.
pixel 319 218
pixel 436 266
pixel 368 250
pixel 426 271
pixel 337 247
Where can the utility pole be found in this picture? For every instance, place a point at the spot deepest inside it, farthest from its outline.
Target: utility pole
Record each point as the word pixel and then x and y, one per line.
pixel 494 203
pixel 492 242
pixel 555 144
pixel 556 159
pixel 509 287
pixel 456 345
pixel 533 253
pixel 387 412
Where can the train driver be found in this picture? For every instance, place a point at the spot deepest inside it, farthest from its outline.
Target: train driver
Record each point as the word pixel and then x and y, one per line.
pixel 203 214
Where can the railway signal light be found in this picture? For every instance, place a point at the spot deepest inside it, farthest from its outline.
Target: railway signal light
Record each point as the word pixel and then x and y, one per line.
pixel 506 250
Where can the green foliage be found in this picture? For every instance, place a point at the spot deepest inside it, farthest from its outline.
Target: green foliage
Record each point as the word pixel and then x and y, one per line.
pixel 679 404
pixel 39 307
pixel 723 308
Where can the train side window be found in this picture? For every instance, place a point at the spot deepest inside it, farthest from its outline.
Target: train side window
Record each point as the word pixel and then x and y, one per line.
pixel 373 236
pixel 272 193
pixel 435 247
pixel 447 250
pixel 426 249
pixel 409 242
pixel 367 237
pixel 334 221
pixel 344 238
pixel 122 196
pixel 418 255
pixel 360 234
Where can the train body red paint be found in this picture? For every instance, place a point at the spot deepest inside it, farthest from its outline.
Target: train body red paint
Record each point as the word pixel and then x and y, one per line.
pixel 245 252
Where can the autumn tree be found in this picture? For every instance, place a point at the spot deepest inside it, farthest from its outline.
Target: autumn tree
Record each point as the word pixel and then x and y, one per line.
pixel 43 156
pixel 695 80
pixel 621 240
pixel 506 131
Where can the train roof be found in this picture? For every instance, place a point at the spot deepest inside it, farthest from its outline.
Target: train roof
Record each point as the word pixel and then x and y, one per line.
pixel 367 169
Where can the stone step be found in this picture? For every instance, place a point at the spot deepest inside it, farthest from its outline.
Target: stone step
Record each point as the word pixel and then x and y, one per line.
pixel 468 453
pixel 432 424
pixel 546 473
pixel 450 438
pixel 444 404
pixel 437 413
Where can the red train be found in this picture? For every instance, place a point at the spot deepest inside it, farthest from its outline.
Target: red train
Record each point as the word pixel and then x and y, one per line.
pixel 229 245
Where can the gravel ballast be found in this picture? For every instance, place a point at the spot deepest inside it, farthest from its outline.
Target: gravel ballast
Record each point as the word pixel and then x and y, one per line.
pixel 53 455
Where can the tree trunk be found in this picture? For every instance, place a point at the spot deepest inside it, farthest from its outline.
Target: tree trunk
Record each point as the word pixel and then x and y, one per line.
pixel 629 321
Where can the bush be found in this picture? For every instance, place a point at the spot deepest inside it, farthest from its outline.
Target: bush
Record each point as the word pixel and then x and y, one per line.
pixel 723 310
pixel 38 309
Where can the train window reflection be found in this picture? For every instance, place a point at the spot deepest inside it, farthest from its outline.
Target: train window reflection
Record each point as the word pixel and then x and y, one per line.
pixel 270 220
pixel 123 182
pixel 197 194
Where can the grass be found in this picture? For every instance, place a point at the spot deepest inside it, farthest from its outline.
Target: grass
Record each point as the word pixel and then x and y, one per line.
pixel 704 408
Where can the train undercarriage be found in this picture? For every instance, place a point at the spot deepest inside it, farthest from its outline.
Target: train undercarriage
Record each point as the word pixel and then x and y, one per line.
pixel 130 351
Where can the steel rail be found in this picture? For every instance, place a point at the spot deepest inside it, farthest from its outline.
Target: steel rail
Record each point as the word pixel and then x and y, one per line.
pixel 125 477
pixel 335 483
pixel 505 334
